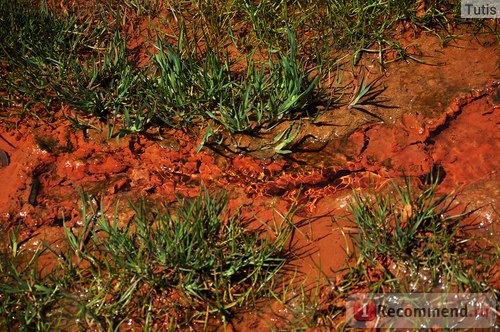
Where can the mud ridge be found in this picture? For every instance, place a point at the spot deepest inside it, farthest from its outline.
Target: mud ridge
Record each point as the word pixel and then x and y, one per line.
pixel 455 109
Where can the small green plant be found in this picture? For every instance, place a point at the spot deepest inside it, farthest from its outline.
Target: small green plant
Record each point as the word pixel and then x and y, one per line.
pixel 197 251
pixel 365 94
pixel 286 137
pixel 361 90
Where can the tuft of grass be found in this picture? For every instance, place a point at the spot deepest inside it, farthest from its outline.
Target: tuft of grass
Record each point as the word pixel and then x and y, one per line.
pixel 403 241
pixel 361 91
pixel 182 268
pixel 408 242
pixel 106 85
pixel 210 259
pixel 25 299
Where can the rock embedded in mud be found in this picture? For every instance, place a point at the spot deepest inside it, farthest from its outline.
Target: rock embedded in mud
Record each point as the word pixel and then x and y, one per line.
pixel 35 189
pixel 4 159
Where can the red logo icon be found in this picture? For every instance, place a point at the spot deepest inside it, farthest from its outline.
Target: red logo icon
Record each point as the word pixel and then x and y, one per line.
pixel 365 311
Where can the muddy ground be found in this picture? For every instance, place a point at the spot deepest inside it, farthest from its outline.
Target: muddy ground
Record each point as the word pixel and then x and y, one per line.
pixel 440 115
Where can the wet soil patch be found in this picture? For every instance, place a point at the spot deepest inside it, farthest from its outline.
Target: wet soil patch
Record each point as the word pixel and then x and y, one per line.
pixel 442 123
pixel 44 171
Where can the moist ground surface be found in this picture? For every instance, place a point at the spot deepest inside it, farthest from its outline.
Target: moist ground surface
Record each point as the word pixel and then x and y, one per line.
pixel 440 115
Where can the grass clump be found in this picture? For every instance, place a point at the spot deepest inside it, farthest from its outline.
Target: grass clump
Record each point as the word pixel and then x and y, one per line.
pixel 174 269
pixel 404 241
pixel 409 242
pixel 79 60
pixel 25 299
pixel 193 87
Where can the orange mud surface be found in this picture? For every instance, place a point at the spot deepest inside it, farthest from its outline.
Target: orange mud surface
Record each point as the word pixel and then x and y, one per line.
pixel 446 116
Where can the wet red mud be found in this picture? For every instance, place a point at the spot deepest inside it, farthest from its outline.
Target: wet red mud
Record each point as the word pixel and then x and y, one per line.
pixel 48 162
pixel 462 141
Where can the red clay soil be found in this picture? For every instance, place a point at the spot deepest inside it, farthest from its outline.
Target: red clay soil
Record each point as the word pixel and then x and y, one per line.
pixel 50 160
pixel 63 159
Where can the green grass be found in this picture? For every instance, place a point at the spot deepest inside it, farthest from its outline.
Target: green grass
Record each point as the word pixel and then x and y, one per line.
pixel 199 264
pixel 225 68
pixel 408 241
pixel 182 268
pixel 191 88
pixel 179 87
pixel 403 241
pixel 237 67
